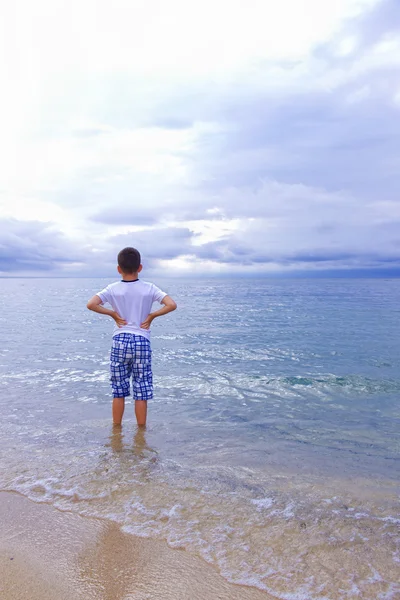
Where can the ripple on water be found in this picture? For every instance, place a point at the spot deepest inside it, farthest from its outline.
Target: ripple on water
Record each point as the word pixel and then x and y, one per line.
pixel 273 447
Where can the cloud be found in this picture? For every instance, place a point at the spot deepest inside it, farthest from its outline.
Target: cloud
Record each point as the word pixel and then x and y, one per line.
pixel 160 244
pixel 134 215
pixel 273 148
pixel 34 246
pixel 377 23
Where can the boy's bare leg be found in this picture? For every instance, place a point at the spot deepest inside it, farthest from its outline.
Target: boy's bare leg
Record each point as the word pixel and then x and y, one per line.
pixel 118 407
pixel 141 412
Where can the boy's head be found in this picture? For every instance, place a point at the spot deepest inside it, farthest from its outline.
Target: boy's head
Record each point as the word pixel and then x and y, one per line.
pixel 129 261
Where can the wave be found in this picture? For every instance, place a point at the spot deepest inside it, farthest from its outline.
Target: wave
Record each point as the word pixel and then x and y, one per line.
pixel 294 542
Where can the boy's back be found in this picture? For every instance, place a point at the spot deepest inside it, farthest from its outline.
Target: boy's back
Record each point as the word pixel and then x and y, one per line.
pixel 132 300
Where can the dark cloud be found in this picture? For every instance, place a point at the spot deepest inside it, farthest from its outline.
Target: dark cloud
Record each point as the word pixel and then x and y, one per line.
pixel 172 123
pixel 321 139
pixel 126 215
pixel 34 246
pixel 302 245
pixel 382 19
pixel 156 244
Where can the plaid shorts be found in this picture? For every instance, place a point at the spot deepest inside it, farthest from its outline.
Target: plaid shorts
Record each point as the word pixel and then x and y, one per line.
pixel 131 357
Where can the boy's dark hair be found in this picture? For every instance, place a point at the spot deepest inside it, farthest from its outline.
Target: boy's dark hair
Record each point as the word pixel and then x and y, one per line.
pixel 129 260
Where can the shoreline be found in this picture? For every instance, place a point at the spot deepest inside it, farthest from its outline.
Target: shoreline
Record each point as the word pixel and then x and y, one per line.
pixel 48 554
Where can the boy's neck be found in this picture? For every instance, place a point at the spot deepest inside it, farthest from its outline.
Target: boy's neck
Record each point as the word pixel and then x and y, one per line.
pixel 129 276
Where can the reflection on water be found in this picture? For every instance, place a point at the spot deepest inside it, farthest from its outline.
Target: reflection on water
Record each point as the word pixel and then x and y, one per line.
pixel 116 439
pixel 131 461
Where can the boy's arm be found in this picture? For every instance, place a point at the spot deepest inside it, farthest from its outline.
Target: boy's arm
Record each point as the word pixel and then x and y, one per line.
pixel 169 306
pixel 95 304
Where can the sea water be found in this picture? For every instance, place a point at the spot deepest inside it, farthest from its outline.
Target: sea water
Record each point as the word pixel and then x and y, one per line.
pixel 272 447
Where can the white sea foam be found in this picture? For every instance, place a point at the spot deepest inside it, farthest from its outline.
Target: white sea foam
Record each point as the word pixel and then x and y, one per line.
pixel 240 534
pixel 263 502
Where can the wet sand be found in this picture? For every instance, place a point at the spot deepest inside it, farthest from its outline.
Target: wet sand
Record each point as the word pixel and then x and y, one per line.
pixel 46 554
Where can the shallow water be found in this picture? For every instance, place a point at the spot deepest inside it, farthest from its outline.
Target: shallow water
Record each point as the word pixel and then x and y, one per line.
pixel 273 441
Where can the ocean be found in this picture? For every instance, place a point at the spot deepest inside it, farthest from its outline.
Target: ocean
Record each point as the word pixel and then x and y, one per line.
pixel 272 446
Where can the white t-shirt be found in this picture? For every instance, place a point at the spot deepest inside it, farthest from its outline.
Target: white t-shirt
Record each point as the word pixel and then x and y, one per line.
pixel 132 300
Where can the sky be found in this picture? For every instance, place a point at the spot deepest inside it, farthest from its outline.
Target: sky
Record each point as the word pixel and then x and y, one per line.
pixel 221 137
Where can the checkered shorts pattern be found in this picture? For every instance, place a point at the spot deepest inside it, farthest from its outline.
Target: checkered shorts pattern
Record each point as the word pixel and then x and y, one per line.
pixel 131 357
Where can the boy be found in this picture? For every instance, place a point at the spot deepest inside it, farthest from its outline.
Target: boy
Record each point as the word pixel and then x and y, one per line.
pixel 131 300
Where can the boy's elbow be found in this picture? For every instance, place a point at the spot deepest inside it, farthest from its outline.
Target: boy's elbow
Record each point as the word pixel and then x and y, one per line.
pixel 93 302
pixel 169 303
pixel 90 305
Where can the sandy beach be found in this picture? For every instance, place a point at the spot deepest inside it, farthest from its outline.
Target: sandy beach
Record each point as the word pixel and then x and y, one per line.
pixel 46 554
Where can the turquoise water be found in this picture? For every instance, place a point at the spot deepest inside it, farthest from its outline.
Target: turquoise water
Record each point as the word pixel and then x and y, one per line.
pixel 272 448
